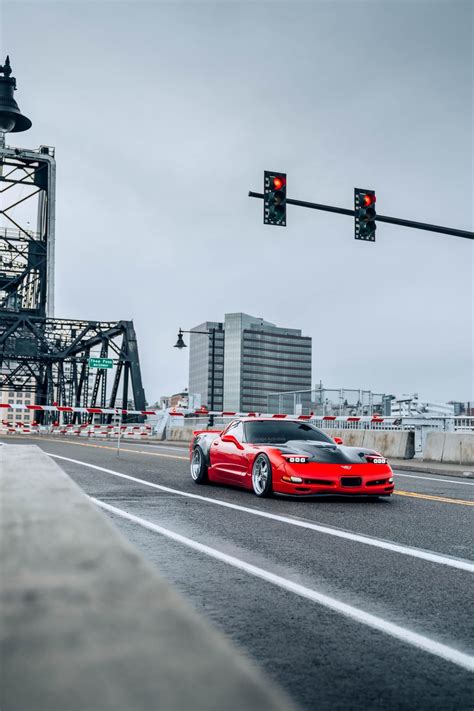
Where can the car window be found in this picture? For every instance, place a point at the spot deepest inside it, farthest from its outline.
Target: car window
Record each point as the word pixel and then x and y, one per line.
pixel 238 431
pixel 278 432
pixel 230 426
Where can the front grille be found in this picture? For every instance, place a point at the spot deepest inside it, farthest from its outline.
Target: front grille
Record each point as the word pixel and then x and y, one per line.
pixel 321 482
pixel 377 482
pixel 351 481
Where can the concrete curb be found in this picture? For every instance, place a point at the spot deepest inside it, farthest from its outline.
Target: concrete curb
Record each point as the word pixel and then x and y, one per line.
pixel 87 623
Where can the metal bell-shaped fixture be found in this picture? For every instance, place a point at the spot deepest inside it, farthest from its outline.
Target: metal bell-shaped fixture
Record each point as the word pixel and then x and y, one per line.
pixel 11 118
pixel 180 342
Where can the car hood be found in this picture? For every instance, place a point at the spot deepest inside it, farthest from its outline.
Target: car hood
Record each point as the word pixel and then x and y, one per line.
pixel 327 453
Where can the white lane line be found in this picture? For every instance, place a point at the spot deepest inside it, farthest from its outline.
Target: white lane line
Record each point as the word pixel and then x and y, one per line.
pixel 458 563
pixel 441 480
pixel 426 644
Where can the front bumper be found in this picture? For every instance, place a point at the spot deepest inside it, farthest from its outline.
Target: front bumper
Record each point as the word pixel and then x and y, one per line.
pixel 328 480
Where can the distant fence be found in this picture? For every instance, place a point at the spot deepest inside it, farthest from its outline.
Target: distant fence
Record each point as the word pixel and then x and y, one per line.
pixel 330 401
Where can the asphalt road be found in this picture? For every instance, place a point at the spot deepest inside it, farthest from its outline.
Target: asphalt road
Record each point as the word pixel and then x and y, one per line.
pixel 346 603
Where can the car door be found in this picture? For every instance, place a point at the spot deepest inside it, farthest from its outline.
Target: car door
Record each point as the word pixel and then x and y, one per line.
pixel 227 459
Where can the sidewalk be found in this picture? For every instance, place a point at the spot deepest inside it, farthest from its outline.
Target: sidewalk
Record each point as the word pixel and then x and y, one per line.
pixel 88 623
pixel 465 471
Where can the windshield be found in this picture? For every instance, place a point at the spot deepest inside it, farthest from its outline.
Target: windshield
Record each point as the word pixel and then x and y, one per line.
pixel 278 432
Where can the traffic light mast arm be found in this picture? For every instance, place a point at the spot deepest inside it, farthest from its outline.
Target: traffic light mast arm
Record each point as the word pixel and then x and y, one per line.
pixel 378 218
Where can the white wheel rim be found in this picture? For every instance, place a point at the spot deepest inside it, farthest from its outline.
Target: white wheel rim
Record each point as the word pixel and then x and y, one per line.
pixel 260 475
pixel 196 464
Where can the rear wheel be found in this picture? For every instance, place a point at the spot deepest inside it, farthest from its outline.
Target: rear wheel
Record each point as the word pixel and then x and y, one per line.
pixel 262 476
pixel 198 466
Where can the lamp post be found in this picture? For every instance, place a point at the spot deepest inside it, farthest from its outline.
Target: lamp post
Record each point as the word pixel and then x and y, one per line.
pixel 180 344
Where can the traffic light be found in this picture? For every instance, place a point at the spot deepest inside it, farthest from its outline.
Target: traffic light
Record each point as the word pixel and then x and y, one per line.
pixel 364 217
pixel 274 200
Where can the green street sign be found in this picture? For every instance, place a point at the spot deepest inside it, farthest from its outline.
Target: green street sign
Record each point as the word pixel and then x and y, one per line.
pixel 101 363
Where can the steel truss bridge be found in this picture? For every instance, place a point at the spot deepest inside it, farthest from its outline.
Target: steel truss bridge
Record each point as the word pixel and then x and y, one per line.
pixel 40 354
pixel 50 358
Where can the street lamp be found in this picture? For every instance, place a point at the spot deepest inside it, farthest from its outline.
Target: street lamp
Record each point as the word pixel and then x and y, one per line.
pixel 180 344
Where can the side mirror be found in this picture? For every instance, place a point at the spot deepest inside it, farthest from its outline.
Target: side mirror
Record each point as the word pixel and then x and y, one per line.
pixel 338 440
pixel 231 438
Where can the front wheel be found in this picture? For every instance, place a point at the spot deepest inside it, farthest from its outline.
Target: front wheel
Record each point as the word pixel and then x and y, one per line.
pixel 262 476
pixel 198 466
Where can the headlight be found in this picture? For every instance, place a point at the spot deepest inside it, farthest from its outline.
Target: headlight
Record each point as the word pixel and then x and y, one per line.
pixel 294 459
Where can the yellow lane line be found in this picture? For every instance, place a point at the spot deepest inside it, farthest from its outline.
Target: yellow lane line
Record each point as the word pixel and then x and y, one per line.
pixel 114 449
pixel 429 497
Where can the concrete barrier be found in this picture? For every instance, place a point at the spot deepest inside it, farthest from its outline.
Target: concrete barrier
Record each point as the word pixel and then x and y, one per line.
pixel 352 438
pixel 434 445
pixel 180 434
pixel 449 447
pixel 390 443
pixel 88 624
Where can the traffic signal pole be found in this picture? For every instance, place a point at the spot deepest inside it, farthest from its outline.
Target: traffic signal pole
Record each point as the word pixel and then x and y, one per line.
pixel 379 218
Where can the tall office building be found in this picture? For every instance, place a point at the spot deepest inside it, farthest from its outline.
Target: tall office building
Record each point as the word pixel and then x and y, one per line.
pixel 253 358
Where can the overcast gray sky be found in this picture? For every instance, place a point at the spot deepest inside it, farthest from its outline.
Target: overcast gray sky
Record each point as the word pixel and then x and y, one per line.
pixel 164 115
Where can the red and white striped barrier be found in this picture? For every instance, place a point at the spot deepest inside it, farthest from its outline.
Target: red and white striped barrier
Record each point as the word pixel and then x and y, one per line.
pixel 101 431
pixel 202 412
pixel 311 416
pixel 18 428
pixel 84 410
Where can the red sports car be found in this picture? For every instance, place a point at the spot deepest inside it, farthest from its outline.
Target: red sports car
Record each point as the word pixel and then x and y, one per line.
pixel 286 457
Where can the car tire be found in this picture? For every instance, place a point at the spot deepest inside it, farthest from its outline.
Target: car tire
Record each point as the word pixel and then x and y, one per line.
pixel 262 476
pixel 198 466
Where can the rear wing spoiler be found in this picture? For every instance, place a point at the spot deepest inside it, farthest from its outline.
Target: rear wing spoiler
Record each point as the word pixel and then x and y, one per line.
pixel 197 432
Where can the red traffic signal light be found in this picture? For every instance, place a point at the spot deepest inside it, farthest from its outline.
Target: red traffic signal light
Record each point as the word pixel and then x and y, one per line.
pixel 369 199
pixel 274 198
pixel 364 214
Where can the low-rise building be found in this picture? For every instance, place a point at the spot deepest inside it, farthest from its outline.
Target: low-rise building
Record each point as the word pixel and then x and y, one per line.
pixel 17 397
pixel 179 399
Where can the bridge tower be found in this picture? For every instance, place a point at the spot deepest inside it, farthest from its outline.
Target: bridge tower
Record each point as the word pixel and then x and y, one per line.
pixel 40 354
